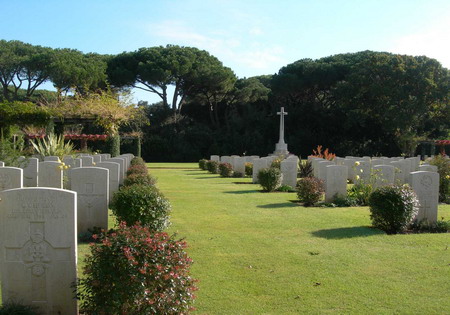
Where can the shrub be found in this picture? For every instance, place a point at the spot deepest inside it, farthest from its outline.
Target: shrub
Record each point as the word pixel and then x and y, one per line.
pixel 423 226
pixel 136 271
pixel 238 174
pixel 270 178
pixel 14 308
pixel 359 193
pixel 225 170
pixel 202 164
pixel 443 165
pixel 137 161
pixel 249 169
pixel 140 179
pixel 137 169
pixel 276 163
pixel 213 167
pixel 310 190
pixel 141 203
pixel 392 208
pixel 305 169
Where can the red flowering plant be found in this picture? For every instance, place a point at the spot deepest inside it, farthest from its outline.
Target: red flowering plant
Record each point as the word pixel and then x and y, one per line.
pixel 137 169
pixel 135 271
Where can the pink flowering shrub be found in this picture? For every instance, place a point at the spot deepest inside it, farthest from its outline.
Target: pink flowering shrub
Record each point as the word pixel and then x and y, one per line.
pixel 137 169
pixel 135 271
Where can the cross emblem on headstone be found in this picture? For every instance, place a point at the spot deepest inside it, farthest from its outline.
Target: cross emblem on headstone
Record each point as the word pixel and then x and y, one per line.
pixel 37 255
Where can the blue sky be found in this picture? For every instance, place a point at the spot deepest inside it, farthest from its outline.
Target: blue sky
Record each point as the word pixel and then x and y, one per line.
pixel 249 36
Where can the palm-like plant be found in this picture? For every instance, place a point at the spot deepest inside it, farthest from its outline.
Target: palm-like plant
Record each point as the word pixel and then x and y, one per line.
pixel 52 145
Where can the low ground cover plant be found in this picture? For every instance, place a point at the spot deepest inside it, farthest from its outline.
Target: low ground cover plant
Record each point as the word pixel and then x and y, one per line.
pixel 225 169
pixel 15 308
pixel 310 190
pixel 270 178
pixel 134 270
pixel 392 208
pixel 142 203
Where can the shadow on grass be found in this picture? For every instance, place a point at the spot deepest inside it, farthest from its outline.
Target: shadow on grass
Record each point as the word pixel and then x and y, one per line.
pixel 279 205
pixel 347 232
pixel 240 192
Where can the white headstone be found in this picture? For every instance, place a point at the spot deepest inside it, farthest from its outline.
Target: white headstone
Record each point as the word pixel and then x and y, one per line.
pixel 350 163
pixel 2 164
pixel 336 182
pixel 215 158
pixel 289 169
pixel 385 175
pixel 30 168
pixel 399 175
pixel 10 177
pixel 50 174
pixel 225 159
pixel 38 248
pixel 428 168
pixel 87 161
pixel 122 171
pixel 97 158
pixel 426 186
pixel 92 187
pixel 105 156
pixel 322 169
pixel 258 165
pixel 314 162
pixel 52 158
pixel 239 164
pixel 114 169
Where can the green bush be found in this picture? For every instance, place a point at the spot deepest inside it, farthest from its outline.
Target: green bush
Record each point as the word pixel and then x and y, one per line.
pixel 286 188
pixel 392 208
pixel 225 170
pixel 141 203
pixel 305 169
pixel 276 163
pixel 136 271
pixel 423 226
pixel 310 190
pixel 359 193
pixel 14 308
pixel 443 165
pixel 270 178
pixel 137 161
pixel 139 179
pixel 212 167
pixel 248 169
pixel 202 164
pixel 137 169
pixel 237 174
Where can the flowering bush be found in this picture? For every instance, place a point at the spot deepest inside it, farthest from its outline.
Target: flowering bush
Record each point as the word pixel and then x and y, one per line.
pixel 276 163
pixel 141 203
pixel 270 178
pixel 249 169
pixel 310 190
pixel 137 169
pixel 225 170
pixel 140 179
pixel 392 208
pixel 202 164
pixel 135 271
pixel 137 161
pixel 325 154
pixel 213 167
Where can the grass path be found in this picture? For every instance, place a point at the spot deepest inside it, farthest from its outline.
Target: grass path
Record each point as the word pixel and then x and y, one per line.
pixel 259 253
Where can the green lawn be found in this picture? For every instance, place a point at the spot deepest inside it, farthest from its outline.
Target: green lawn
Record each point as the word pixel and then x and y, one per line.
pixel 259 253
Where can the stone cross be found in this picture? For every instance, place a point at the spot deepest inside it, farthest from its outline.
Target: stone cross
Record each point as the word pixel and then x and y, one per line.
pixel 281 146
pixel 282 113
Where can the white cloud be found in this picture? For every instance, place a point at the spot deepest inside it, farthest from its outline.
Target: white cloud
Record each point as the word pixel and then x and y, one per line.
pixel 433 42
pixel 243 54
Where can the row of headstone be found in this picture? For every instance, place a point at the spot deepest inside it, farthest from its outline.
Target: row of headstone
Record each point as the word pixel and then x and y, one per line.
pixel 424 179
pixel 39 228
